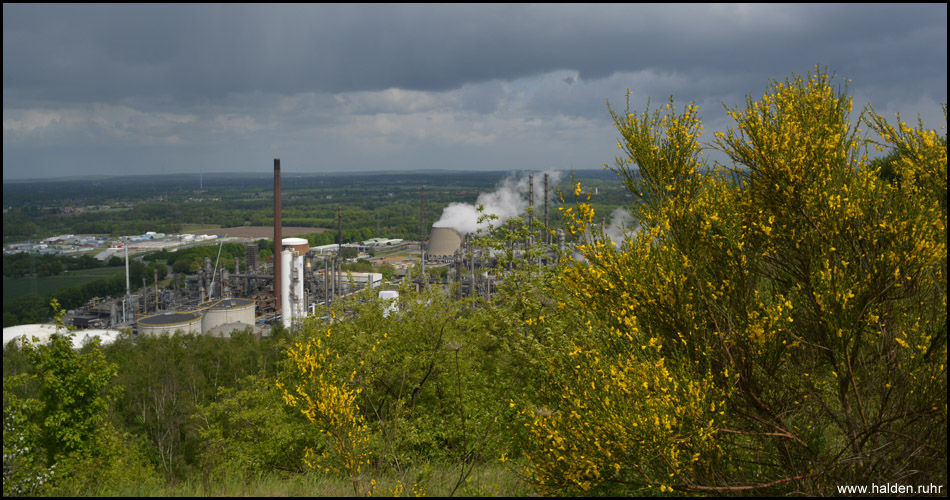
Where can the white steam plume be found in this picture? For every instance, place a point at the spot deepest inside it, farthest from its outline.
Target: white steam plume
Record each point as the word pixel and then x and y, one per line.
pixel 509 200
pixel 621 221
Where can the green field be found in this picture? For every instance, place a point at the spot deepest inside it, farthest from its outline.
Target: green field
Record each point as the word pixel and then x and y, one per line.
pixel 16 287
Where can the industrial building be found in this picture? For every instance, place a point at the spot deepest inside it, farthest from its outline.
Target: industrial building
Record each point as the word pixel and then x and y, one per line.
pixel 359 280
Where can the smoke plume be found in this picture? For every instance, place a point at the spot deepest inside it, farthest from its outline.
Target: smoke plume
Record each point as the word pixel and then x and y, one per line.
pixel 620 221
pixel 509 200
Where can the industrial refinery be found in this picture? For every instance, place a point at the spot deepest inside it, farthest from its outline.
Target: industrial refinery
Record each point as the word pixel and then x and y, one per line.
pixel 300 279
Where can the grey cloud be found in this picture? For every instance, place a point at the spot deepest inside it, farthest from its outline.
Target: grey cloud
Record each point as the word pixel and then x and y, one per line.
pixel 101 52
pixel 344 87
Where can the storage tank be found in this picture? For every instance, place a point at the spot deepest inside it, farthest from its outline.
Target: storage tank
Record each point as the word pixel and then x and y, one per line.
pixel 106 337
pixel 170 322
pixel 301 245
pixel 444 242
pixel 43 332
pixel 223 311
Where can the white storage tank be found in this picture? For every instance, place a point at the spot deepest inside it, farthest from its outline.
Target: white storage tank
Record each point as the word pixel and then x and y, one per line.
pixel 301 245
pixel 43 332
pixel 170 322
pixel 225 311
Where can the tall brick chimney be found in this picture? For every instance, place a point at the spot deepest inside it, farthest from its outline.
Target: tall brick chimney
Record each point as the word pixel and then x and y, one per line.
pixel 277 233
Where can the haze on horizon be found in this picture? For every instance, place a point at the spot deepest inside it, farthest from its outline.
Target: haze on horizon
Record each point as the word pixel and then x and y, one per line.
pixel 152 89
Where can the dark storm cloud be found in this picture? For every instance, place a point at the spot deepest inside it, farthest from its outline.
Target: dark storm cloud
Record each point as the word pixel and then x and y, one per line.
pixel 105 52
pixel 106 89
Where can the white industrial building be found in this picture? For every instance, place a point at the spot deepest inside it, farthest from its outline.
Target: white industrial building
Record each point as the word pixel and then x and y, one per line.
pixel 359 280
pixel 325 249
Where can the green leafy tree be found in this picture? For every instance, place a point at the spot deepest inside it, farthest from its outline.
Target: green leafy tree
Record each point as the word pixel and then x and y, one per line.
pixel 54 436
pixel 387 270
pixel 71 391
pixel 249 430
pixel 392 390
pixel 185 266
pixel 161 268
pixel 170 385
pixel 28 309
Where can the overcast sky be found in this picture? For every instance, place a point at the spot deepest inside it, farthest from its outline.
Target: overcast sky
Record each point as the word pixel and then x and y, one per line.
pixel 135 89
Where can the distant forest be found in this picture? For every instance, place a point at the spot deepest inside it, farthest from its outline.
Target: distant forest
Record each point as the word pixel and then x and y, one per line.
pixel 375 204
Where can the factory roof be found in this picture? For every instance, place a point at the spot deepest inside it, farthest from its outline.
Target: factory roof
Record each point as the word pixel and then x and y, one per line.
pixel 170 318
pixel 381 242
pixel 226 303
pixel 324 248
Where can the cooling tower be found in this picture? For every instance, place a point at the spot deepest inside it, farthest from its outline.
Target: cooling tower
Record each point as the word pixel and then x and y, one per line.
pixel 444 242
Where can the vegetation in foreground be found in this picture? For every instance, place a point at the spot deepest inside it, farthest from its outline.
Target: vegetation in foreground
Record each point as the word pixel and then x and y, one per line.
pixel 777 326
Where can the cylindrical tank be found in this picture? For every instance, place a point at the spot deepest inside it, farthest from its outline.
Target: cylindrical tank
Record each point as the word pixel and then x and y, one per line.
pixel 223 311
pixel 301 245
pixel 170 322
pixel 444 242
pixel 285 272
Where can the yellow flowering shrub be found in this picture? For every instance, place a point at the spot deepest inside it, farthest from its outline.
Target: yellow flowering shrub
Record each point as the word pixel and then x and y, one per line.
pixel 331 404
pixel 778 324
